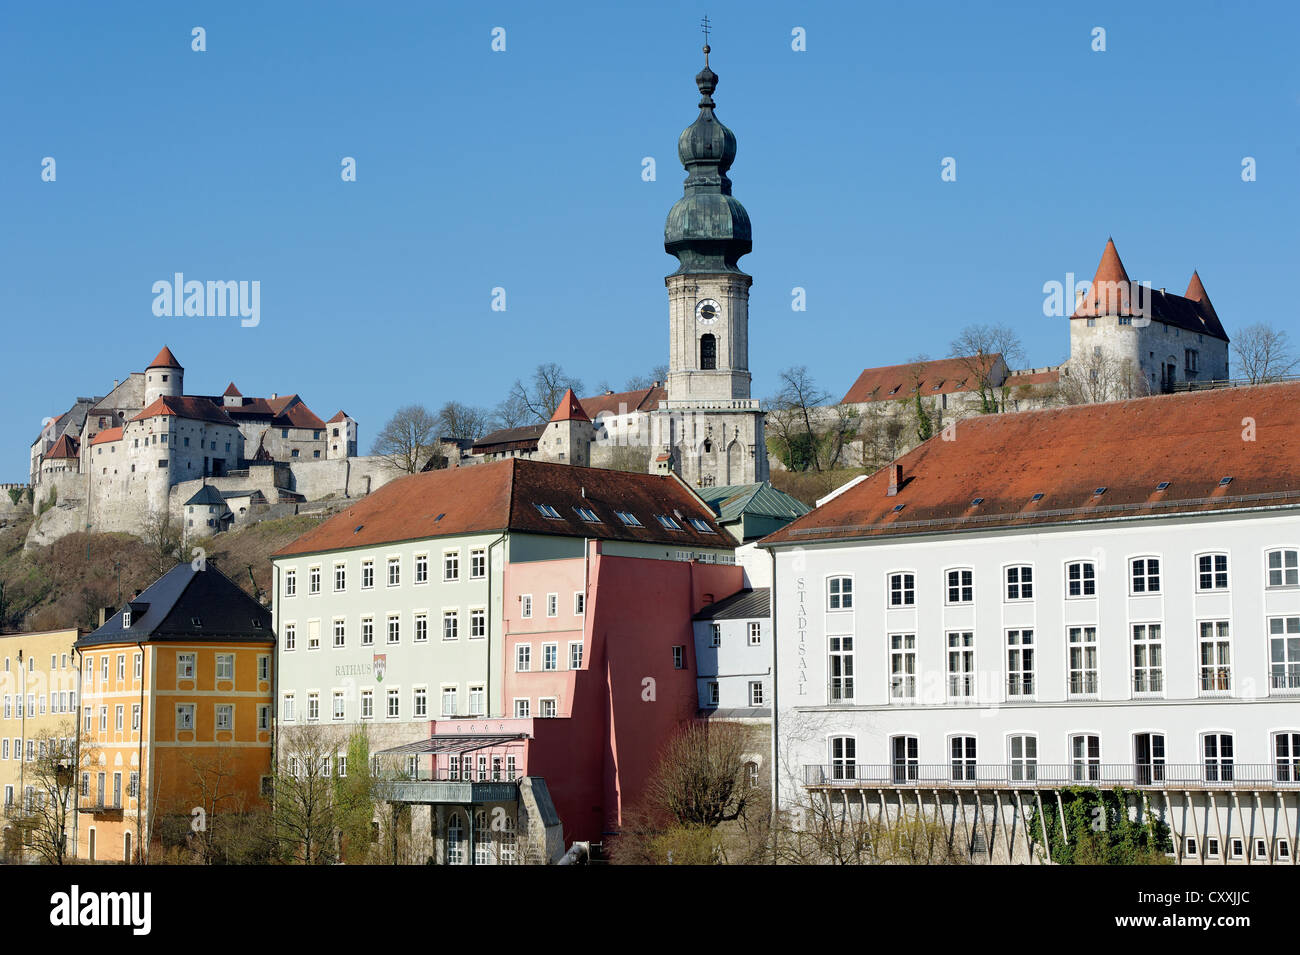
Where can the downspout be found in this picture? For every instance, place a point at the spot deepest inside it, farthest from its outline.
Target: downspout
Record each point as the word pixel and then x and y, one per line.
pixel 275 672
pixel 487 681
pixel 776 805
pixel 139 778
pixel 76 758
pixel 22 757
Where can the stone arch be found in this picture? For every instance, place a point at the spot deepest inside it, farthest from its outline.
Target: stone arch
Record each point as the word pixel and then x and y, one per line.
pixel 735 462
pixel 708 352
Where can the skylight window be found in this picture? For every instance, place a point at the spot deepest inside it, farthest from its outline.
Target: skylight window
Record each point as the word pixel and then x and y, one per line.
pixel 628 518
pixel 898 507
pixel 1225 481
pixel 1162 486
pixel 668 522
pixel 196 622
pixel 1098 492
pixel 547 511
pixel 588 515
pixel 976 502
pixel 1036 498
pixel 701 525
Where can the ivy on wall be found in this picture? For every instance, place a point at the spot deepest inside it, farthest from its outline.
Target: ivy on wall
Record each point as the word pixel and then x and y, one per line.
pixel 1101 829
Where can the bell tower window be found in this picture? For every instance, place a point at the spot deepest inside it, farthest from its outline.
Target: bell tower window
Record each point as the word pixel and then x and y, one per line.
pixel 708 353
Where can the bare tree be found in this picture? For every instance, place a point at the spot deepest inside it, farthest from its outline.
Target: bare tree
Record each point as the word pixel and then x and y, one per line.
pixel 1100 377
pixel 408 439
pixel 808 430
pixel 303 807
pixel 49 798
pixel 537 399
pixel 1264 353
pixel 977 347
pixel 658 373
pixel 466 422
pixel 165 540
pixel 231 833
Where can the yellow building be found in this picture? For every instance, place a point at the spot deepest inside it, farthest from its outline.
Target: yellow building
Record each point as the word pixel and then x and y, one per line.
pixel 38 692
pixel 176 692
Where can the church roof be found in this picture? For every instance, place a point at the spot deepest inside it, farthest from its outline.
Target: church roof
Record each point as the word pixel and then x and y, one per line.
pixel 1124 449
pixel 185 406
pixel 165 359
pixel 569 408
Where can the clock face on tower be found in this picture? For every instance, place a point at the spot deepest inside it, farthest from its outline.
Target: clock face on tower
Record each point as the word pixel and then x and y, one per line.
pixel 707 311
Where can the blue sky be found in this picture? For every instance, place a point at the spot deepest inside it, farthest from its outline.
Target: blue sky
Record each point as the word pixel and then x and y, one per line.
pixel 522 169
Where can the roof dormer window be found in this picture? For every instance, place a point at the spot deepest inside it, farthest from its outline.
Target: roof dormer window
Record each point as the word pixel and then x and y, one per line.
pixel 547 511
pixel 668 522
pixel 126 619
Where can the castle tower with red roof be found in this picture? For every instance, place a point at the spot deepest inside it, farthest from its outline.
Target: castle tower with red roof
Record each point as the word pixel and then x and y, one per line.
pixel 163 378
pixel 568 435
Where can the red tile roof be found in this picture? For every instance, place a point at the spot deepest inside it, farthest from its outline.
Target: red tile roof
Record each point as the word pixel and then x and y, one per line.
pixel 897 382
pixel 108 434
pixel 66 447
pixel 341 416
pixel 231 391
pixel 1034 378
pixel 290 412
pixel 503 495
pixel 1196 293
pixel 510 439
pixel 624 402
pixel 1191 440
pixel 569 409
pixel 185 406
pixel 165 359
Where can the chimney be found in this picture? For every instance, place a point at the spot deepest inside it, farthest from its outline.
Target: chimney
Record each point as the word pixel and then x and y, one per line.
pixel 895 479
pixel 274 396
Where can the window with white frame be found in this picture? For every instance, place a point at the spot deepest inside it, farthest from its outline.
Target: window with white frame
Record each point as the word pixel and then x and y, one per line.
pixel 421 627
pixel 755 692
pixel 1081 579
pixel 1145 575
pixel 715 634
pixel 477 563
pixel 1286 755
pixel 394 571
pixel 902 590
pixel 575 655
pixel 523 657
pixel 340 632
pixel 714 694
pixel 225 716
pixel 367 631
pixel 185 716
pixel 1023 752
pixel 313 634
pixel 844 757
pixel 139 665
pixel 1218 754
pixel 291 583
pixel 477 623
pixel 1216 657
pixel 1020 582
pixel 755 633
pixel 336 711
pixel 394 628
pixel 313 707
pixel 394 704
pixel 367 574
pixel 286 700
pixel 839 593
pixel 451 625
pixel 1148 658
pixel 421 568
pixel 225 666
pixel 340 578
pixel 1149 758
pixel 579 603
pixel 1020 663
pixel 367 704
pixel 961 586
pixel 1284 568
pixel 451 565
pixel 963 756
pixel 521 708
pixel 679 657
pixel 290 636
pixel 1085 757
pixel 119 718
pixel 526 606
pixel 1284 653
pixel 1211 572
pixel 902 666
pixel 840 668
pixel 420 702
pixel 476 707
pixel 313 580
pixel 550 656
pixel 185 664
pixel 961 664
pixel 548 708
pixel 1082 659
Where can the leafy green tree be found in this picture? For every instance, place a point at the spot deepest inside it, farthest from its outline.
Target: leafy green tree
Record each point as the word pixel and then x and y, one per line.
pixel 354 800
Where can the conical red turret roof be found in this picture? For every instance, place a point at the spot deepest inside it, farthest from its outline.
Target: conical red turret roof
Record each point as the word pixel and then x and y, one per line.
pixel 569 409
pixel 165 359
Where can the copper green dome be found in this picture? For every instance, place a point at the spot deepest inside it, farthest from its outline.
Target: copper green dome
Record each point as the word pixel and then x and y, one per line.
pixel 707 230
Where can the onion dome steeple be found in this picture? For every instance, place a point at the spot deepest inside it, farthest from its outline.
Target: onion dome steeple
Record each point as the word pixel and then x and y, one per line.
pixel 707 229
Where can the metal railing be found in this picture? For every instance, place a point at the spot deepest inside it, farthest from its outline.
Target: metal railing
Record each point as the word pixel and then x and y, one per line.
pixel 1029 774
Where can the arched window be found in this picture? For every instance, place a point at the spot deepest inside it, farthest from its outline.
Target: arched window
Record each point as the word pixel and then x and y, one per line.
pixel 507 838
pixel 455 841
pixel 482 839
pixel 708 352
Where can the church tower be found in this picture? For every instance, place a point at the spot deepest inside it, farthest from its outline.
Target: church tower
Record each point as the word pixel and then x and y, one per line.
pixel 710 431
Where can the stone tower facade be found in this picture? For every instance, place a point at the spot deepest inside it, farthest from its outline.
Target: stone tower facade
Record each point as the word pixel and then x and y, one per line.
pixel 710 430
pixel 164 378
pixel 569 434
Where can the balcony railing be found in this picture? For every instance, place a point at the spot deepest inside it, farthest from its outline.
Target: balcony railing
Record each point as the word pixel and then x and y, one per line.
pixel 1284 682
pixel 1028 775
